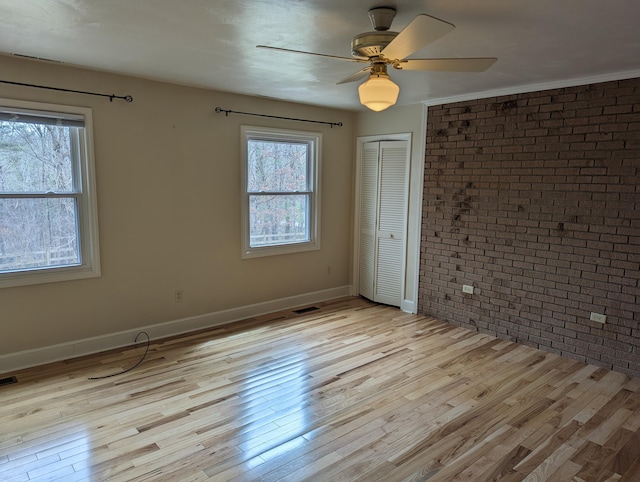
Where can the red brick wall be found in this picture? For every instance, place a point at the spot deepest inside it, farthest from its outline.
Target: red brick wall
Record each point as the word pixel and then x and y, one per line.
pixel 534 199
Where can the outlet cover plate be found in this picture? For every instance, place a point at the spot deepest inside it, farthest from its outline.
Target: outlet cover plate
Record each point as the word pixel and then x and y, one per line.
pixel 467 289
pixel 598 317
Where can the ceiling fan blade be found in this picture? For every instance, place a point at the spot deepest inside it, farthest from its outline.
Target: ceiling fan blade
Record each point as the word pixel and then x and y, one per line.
pixel 360 74
pixel 421 31
pixel 350 59
pixel 478 64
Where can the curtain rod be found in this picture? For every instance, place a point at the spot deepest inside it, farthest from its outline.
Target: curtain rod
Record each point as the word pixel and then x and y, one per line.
pixel 126 98
pixel 227 112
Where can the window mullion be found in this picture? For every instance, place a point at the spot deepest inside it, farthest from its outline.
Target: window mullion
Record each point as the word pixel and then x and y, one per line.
pixel 277 193
pixel 40 195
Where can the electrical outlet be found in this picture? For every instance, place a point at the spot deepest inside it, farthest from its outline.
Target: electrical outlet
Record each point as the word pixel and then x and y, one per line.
pixel 179 296
pixel 598 317
pixel 467 289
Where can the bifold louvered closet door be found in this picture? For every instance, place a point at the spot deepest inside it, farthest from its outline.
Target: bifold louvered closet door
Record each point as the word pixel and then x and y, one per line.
pixel 383 208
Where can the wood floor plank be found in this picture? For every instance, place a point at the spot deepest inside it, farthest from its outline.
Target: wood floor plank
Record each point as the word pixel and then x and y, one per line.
pixel 350 391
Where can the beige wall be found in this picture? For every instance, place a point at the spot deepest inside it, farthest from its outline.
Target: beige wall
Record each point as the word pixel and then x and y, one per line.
pixel 399 120
pixel 168 184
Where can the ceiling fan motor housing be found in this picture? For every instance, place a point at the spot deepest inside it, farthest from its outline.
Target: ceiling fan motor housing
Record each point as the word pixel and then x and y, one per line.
pixel 370 44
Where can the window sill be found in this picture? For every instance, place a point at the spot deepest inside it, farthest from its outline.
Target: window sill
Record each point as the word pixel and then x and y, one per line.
pixel 53 275
pixel 249 253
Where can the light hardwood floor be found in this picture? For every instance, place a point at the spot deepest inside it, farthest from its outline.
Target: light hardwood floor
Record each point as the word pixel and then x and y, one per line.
pixel 351 391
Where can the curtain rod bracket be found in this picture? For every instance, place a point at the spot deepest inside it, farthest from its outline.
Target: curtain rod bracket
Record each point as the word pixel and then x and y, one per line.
pixel 228 111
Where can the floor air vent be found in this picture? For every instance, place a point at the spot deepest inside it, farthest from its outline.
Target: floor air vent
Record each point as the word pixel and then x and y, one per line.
pixel 301 311
pixel 8 381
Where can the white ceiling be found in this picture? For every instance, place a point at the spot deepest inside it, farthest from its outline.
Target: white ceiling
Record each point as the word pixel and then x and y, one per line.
pixel 211 43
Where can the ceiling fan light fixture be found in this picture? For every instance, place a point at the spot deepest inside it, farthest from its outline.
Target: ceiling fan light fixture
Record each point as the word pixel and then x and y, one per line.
pixel 378 92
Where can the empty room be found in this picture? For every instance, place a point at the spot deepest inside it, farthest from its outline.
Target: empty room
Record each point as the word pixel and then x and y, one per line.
pixel 319 240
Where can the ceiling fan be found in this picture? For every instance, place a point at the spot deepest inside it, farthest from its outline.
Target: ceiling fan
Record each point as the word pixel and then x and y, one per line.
pixel 382 48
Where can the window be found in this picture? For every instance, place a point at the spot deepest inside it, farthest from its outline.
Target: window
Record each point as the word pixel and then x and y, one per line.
pixel 280 191
pixel 48 220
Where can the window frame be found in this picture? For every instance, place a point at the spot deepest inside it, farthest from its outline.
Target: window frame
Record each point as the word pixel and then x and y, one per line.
pixel 84 193
pixel 314 140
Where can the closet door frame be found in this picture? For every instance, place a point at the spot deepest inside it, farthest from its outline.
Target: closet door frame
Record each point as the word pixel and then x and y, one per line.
pixel 361 141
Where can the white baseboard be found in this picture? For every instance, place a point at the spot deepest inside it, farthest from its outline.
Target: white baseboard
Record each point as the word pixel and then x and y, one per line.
pixel 87 346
